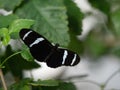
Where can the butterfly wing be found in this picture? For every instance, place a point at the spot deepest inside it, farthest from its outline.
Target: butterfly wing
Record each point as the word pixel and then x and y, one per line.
pixel 63 57
pixel 39 46
pixel 42 50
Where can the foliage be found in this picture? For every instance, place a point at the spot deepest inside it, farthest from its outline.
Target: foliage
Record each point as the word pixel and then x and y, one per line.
pixel 102 39
pixel 60 21
pixel 48 18
pixel 27 84
pixel 103 5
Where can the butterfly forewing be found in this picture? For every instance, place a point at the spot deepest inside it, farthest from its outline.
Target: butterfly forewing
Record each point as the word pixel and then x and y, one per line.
pixel 38 45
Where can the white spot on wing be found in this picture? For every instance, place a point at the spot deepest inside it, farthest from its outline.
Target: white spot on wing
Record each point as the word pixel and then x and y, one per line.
pixel 26 35
pixel 64 56
pixel 74 58
pixel 36 41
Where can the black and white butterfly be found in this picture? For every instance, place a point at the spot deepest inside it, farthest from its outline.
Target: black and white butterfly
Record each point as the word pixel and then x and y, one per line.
pixel 42 50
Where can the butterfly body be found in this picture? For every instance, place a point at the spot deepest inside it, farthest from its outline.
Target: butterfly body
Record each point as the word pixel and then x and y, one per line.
pixel 42 50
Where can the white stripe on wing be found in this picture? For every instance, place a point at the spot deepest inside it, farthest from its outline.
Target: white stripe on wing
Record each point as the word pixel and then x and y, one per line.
pixel 36 41
pixel 74 58
pixel 64 56
pixel 26 35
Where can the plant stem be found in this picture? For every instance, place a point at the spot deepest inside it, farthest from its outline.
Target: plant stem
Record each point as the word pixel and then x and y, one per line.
pixel 2 79
pixel 90 81
pixel 115 73
pixel 1 73
pixel 9 57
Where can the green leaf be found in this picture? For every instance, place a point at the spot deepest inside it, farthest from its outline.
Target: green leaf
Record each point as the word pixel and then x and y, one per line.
pixel 45 83
pixel 50 17
pixel 56 85
pixel 61 86
pixel 1 88
pixel 115 50
pixel 5 21
pixel 67 86
pixel 116 21
pixel 7 4
pixel 17 25
pixel 75 44
pixel 16 64
pixel 5 35
pixel 26 55
pixel 74 16
pixel 22 85
pixel 95 45
pixel 103 5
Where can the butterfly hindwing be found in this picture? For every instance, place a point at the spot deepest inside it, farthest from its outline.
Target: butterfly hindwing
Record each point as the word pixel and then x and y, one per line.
pixel 38 45
pixel 63 57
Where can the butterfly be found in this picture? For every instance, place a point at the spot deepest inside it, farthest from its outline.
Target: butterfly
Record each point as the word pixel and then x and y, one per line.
pixel 44 51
